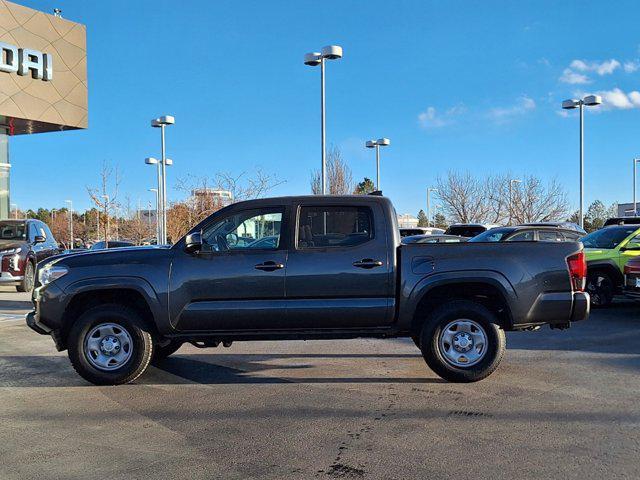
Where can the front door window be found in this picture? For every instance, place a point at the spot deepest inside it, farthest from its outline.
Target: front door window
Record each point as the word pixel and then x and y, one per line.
pixel 248 230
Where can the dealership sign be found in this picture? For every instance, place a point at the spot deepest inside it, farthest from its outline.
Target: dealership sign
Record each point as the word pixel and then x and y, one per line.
pixel 25 61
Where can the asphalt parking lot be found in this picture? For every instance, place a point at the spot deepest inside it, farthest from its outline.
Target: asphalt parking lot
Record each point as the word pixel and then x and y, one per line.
pixel 562 405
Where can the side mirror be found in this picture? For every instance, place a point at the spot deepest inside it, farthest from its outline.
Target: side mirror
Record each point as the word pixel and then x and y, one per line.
pixel 39 239
pixel 193 242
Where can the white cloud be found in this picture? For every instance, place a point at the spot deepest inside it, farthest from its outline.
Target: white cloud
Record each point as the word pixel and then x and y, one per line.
pixel 573 78
pixel 631 66
pixel 430 118
pixel 603 68
pixel 503 114
pixel 616 99
pixel 576 73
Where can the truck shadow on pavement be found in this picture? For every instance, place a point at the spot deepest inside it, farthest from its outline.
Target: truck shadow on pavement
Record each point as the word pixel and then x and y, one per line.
pixel 55 371
pixel 196 368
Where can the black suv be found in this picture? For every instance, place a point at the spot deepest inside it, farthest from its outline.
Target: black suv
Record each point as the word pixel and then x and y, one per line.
pixel 23 243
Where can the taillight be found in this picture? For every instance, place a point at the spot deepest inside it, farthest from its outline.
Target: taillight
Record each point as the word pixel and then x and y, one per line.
pixel 577 264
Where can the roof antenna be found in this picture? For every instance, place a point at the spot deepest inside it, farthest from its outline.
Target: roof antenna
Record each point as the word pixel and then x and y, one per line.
pixel 57 12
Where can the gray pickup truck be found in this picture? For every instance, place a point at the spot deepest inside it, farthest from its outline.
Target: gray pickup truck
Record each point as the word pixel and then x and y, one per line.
pixel 309 267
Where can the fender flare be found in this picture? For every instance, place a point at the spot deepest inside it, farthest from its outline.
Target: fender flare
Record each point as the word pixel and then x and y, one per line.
pixel 138 284
pixel 427 284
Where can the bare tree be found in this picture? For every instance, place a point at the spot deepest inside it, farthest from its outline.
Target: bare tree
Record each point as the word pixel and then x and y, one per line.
pixel 464 197
pixel 339 176
pixel 105 196
pixel 469 199
pixel 533 201
pixel 201 202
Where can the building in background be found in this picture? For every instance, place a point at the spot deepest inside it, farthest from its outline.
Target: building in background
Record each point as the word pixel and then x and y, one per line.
pixel 43 79
pixel 626 209
pixel 407 221
pixel 211 195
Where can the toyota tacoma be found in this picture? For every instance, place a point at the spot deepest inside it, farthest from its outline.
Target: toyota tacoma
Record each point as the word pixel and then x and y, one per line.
pixel 309 267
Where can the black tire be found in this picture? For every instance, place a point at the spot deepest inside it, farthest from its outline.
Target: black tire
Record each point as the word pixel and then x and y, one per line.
pixel 160 353
pixel 141 345
pixel 416 340
pixel 600 288
pixel 26 284
pixel 464 311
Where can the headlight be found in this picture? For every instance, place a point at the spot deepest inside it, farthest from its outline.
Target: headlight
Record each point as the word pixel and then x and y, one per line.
pixel 50 273
pixel 10 251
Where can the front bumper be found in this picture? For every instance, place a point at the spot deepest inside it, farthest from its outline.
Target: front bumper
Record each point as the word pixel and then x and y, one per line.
pixel 46 307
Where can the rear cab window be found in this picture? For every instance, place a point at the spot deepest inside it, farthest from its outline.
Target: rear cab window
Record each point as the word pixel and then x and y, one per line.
pixel 333 226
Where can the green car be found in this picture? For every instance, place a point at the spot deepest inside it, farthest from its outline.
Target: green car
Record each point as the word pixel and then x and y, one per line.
pixel 607 251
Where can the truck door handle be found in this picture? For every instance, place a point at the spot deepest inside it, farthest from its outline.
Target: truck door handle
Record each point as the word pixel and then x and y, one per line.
pixel 269 266
pixel 368 263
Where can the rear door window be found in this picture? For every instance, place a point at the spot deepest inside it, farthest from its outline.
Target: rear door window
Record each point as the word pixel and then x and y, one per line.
pixel 334 226
pixel 522 237
pixel 549 236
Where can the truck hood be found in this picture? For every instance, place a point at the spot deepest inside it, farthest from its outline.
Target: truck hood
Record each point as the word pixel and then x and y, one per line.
pixel 111 256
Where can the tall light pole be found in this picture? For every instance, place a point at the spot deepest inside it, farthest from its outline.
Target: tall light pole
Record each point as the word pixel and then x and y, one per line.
pixel 511 182
pixel 590 101
pixel 429 190
pixel 15 210
pixel 155 190
pixel 331 52
pixel 635 210
pixel 381 142
pixel 71 242
pixel 161 123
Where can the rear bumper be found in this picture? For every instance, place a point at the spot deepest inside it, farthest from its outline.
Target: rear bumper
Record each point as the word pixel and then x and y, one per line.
pixel 558 309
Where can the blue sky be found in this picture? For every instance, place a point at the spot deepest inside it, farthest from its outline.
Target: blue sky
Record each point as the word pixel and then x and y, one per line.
pixel 455 85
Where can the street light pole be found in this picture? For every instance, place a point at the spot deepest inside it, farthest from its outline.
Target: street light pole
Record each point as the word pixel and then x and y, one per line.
pixel 15 210
pixel 635 163
pixel 381 142
pixel 590 101
pixel 511 182
pixel 162 122
pixel 155 190
pixel 429 190
pixel 332 52
pixel 71 242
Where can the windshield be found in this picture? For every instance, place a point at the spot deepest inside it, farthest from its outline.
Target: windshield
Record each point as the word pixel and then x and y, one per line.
pixel 13 231
pixel 493 235
pixel 607 237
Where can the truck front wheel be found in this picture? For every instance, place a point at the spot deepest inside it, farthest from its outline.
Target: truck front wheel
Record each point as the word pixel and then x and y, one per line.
pixel 110 345
pixel 462 342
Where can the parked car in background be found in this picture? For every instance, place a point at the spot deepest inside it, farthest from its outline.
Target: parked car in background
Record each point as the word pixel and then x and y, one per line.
pixel 23 243
pixel 622 221
pixel 524 233
pixel 607 251
pixel 468 230
pixel 111 244
pixel 338 270
pixel 433 239
pixel 406 232
pixel 564 225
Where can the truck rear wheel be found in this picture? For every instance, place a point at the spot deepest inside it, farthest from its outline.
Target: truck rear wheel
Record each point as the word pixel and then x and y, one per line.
pixel 110 345
pixel 462 342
